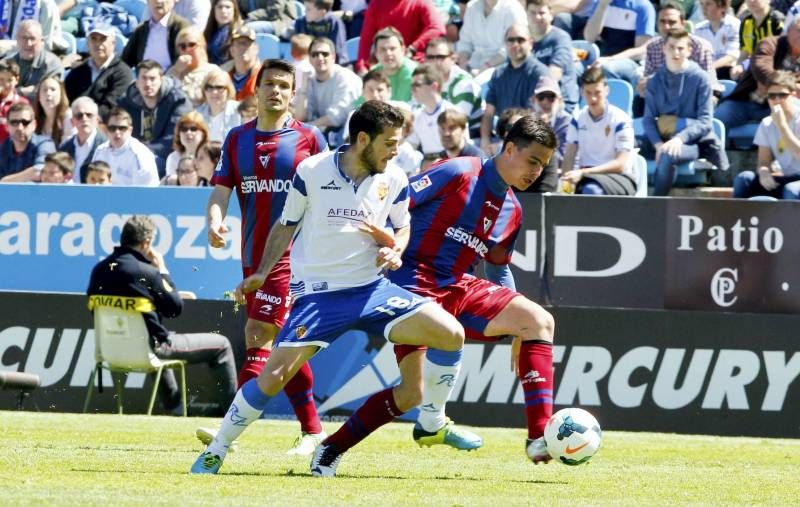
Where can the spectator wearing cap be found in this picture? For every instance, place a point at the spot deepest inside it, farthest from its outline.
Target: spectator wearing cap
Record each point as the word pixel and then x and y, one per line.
pixel 103 77
pixel 453 133
pixel 154 38
pixel 244 52
pixel 34 60
pixel 156 103
pixel 548 106
pixel 9 77
pixel 82 145
pixel 22 154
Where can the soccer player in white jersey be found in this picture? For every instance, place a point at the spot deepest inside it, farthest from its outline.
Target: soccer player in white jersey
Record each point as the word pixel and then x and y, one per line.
pixel 336 212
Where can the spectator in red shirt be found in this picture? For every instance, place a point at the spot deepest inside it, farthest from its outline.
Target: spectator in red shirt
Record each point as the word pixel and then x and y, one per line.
pixel 417 20
pixel 9 79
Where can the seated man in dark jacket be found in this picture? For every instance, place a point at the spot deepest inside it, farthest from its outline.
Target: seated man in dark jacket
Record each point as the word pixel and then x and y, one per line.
pixel 82 145
pixel 156 103
pixel 135 271
pixel 102 77
pixel 154 38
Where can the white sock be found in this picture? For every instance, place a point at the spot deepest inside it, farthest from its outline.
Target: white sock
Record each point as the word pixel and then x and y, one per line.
pixel 239 416
pixel 440 381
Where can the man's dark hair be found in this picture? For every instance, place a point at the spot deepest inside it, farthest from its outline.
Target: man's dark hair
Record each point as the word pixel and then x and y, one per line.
pixel 372 117
pixel 678 33
pixel 388 33
pixel 529 130
pixel 137 229
pixel 593 75
pixel 673 5
pixel 431 74
pixel 436 41
pixel 503 122
pixel 323 4
pixel 62 160
pixel 275 63
pixel 377 75
pixel 450 115
pixel 18 107
pixel 146 65
pixel 323 40
pixel 118 112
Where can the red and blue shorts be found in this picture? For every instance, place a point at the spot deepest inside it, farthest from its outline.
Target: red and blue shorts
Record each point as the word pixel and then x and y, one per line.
pixel 271 302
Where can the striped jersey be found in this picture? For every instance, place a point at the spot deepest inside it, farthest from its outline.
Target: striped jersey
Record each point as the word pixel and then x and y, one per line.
pixel 260 165
pixel 329 251
pixel 461 212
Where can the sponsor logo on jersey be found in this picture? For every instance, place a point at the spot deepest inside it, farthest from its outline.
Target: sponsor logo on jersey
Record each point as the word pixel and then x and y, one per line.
pixel 465 238
pixel 421 184
pixel 331 186
pixel 264 160
pixel 265 143
pixel 491 206
pixel 269 298
pixel 254 185
pixel 350 213
pixel 487 223
pixel 383 190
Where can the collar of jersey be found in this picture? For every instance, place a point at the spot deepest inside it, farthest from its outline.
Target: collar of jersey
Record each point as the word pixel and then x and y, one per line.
pixel 279 128
pixel 493 179
pixel 338 152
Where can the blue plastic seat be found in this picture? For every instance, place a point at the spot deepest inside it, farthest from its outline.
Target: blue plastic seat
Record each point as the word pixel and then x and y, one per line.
pixel 269 46
pixel 352 48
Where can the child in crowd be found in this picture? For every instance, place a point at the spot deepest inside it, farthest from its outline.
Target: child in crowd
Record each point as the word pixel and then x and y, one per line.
pixel 98 173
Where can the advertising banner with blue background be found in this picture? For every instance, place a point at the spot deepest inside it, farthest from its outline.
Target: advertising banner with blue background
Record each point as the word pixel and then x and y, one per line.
pixel 51 236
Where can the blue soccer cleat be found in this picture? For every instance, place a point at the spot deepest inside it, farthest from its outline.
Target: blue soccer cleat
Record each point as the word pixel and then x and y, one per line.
pixel 207 463
pixel 449 434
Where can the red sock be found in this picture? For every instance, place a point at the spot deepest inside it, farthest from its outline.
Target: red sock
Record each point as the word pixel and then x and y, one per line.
pixel 536 376
pixel 253 364
pixel 378 410
pixel 299 390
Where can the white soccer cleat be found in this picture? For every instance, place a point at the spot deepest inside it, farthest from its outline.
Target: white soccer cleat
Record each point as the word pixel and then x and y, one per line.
pixel 326 459
pixel 536 449
pixel 207 435
pixel 305 444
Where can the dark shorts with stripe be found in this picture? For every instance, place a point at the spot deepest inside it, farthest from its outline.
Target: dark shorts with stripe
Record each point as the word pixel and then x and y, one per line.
pixel 473 301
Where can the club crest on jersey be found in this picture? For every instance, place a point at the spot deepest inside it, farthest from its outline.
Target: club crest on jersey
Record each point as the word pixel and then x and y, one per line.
pixel 264 160
pixel 383 190
pixel 487 223
pixel 421 184
pixel 301 331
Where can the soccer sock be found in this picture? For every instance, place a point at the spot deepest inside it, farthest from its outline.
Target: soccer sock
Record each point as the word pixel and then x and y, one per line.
pixel 440 374
pixel 246 408
pixel 536 377
pixel 253 365
pixel 300 394
pixel 378 410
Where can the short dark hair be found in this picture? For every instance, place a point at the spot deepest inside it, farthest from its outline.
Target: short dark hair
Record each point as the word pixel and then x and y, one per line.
pixel 10 66
pixel 146 65
pixel 62 160
pixel 323 40
pixel 275 63
pixel 249 102
pixel 678 33
pixel 593 75
pixel 672 5
pixel 436 41
pixel 212 148
pixel 120 113
pixel 377 75
pixel 503 122
pixel 529 130
pixel 137 229
pixel 18 107
pixel 539 3
pixel 430 73
pixel 782 78
pixel 388 33
pixel 99 166
pixel 323 4
pixel 372 117
pixel 451 115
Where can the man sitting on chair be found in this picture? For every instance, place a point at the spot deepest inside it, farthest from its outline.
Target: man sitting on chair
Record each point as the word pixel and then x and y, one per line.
pixel 136 275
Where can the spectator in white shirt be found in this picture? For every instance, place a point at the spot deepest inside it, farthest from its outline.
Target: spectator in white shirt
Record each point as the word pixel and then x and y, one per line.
pixel 481 43
pixel 426 86
pixel 131 162
pixel 722 31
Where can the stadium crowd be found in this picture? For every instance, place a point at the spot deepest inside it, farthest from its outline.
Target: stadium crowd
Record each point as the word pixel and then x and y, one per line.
pixel 135 93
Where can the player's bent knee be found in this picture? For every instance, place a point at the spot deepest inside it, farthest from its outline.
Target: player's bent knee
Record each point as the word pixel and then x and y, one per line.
pixel 259 334
pixel 544 324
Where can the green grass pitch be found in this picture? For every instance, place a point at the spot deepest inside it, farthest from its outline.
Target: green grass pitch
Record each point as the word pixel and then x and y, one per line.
pixel 69 459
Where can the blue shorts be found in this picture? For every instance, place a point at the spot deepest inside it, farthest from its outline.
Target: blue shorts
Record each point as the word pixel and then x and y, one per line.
pixel 318 319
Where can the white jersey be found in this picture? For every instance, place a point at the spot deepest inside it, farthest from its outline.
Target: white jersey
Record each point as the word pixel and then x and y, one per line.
pixel 600 140
pixel 132 164
pixel 329 252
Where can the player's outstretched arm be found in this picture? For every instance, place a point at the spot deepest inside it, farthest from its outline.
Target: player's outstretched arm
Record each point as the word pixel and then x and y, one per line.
pixel 216 210
pixel 278 241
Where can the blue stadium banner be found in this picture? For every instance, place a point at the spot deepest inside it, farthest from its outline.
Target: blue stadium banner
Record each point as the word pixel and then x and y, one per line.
pixel 51 236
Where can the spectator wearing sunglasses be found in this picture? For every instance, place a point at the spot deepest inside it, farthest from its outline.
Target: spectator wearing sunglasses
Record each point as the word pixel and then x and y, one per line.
pixel 219 109
pixel 82 145
pixel 190 133
pixel 191 67
pixel 22 154
pixel 103 77
pixel 131 162
pixel 156 103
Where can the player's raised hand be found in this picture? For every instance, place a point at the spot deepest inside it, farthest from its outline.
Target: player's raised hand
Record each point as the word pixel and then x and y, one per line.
pixel 388 258
pixel 249 284
pixel 215 235
pixel 382 236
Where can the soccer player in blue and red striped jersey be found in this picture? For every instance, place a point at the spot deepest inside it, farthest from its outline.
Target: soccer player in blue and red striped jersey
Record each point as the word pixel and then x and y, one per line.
pixel 464 211
pixel 259 160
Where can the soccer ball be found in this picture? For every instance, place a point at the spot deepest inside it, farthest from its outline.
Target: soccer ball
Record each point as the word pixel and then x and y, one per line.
pixel 572 436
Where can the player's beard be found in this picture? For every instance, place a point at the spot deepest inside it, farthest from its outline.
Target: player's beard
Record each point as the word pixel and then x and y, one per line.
pixel 368 159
